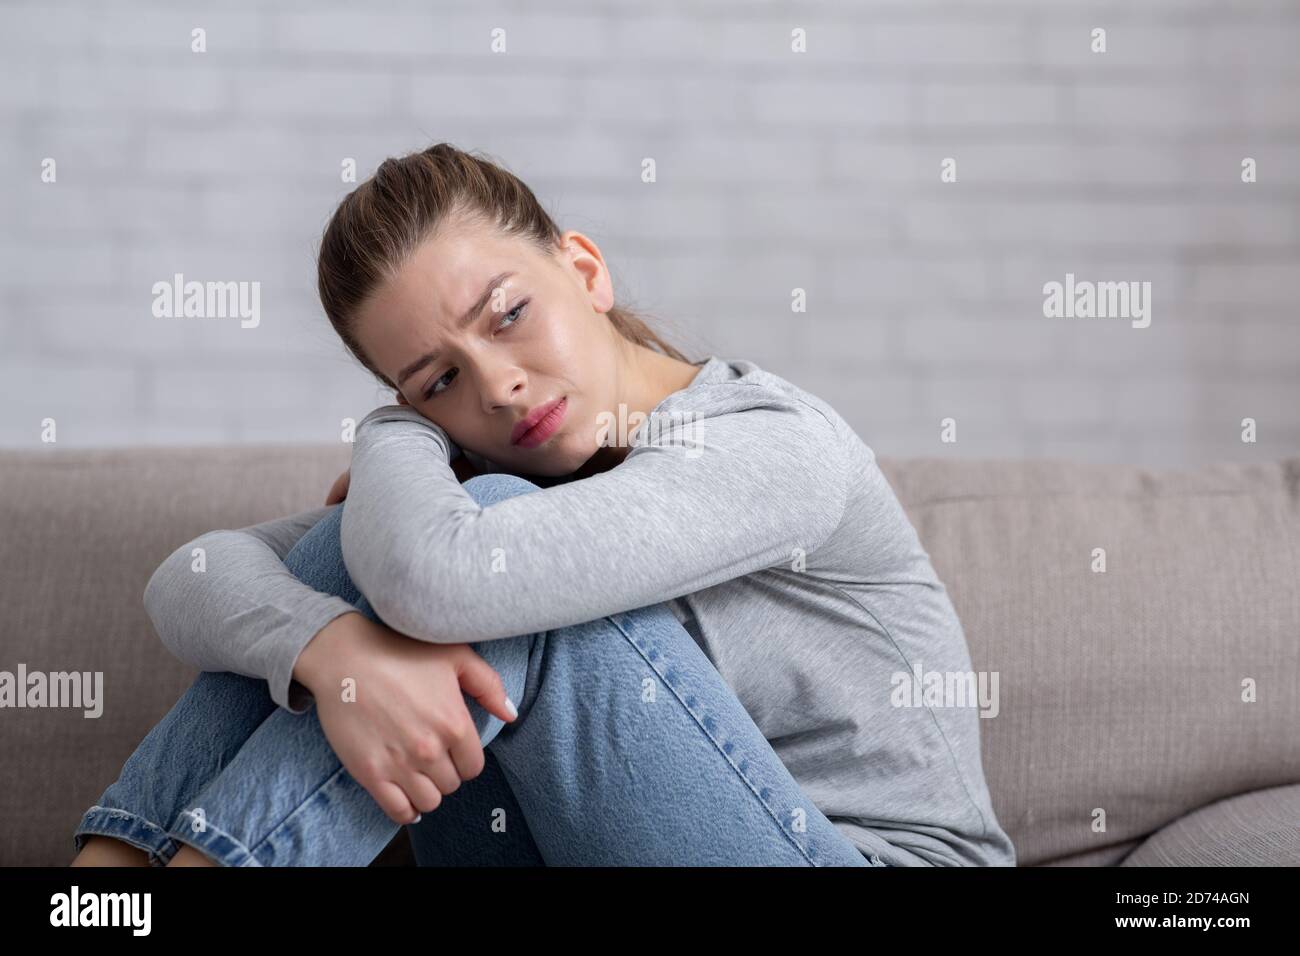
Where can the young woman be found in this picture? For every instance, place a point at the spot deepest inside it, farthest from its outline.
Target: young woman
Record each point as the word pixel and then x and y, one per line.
pixel 692 578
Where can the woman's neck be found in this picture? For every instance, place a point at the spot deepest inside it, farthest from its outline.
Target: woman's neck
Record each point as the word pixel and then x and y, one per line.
pixel 653 377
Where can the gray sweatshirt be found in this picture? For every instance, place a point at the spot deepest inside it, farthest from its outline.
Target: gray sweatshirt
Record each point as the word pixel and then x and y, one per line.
pixel 746 503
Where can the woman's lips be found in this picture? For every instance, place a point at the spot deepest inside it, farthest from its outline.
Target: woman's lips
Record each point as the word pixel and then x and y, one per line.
pixel 544 429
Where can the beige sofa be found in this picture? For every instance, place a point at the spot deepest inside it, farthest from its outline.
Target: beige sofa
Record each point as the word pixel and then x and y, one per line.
pixel 1122 735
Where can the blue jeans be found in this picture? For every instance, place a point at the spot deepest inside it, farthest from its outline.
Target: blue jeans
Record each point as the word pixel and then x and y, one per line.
pixel 629 749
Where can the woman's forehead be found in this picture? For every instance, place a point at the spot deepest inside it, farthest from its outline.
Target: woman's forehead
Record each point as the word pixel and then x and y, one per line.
pixel 455 267
pixel 434 296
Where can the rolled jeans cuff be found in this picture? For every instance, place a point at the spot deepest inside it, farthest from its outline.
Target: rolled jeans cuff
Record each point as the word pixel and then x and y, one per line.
pixel 129 828
pixel 215 843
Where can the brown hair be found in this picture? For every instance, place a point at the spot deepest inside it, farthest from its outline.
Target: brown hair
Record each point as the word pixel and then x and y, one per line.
pixel 383 221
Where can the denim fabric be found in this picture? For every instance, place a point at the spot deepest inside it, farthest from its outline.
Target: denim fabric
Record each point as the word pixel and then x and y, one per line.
pixel 629 749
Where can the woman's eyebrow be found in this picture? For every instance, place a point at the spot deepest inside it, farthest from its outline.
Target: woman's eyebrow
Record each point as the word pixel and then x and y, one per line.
pixel 470 315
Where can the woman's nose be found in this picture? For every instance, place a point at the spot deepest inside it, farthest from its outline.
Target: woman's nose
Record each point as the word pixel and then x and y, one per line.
pixel 500 386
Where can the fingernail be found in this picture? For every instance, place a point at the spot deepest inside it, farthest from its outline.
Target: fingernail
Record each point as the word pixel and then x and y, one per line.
pixel 510 706
pixel 418 818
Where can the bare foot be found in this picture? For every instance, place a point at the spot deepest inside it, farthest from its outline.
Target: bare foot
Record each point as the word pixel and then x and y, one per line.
pixel 188 856
pixel 106 851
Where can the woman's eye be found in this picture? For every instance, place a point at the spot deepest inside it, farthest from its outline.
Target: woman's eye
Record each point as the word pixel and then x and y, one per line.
pixel 433 389
pixel 518 308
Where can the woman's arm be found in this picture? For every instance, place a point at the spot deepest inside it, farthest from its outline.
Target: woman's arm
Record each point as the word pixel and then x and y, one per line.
pixel 237 608
pixel 765 480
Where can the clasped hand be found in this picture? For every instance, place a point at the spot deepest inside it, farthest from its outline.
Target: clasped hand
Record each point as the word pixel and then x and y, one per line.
pixel 405 733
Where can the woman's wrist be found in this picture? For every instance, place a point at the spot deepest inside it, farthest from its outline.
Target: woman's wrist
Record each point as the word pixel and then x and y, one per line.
pixel 308 668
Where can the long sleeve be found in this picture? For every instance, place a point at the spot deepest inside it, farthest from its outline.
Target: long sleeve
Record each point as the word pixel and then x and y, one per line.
pixel 731 479
pixel 245 613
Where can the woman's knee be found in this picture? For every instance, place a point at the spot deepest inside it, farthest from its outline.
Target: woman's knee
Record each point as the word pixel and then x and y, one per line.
pixel 317 560
pixel 322 541
pixel 229 691
pixel 496 486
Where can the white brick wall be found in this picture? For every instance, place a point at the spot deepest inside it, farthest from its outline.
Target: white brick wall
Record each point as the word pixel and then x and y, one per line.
pixel 775 171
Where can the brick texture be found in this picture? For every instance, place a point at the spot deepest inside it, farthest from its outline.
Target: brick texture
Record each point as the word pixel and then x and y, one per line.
pixel 776 170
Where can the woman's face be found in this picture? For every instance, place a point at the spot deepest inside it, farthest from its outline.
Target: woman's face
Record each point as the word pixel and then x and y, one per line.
pixel 511 330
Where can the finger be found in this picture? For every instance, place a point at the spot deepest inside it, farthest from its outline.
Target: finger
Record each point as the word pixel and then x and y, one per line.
pixel 466 753
pixel 443 773
pixel 393 801
pixel 424 793
pixel 481 681
pixel 338 491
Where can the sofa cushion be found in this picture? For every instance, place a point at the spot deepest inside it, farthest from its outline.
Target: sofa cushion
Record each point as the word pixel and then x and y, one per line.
pixel 1260 828
pixel 1133 696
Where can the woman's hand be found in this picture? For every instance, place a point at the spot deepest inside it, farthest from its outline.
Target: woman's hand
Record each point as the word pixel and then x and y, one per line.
pixel 391 707
pixel 339 490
